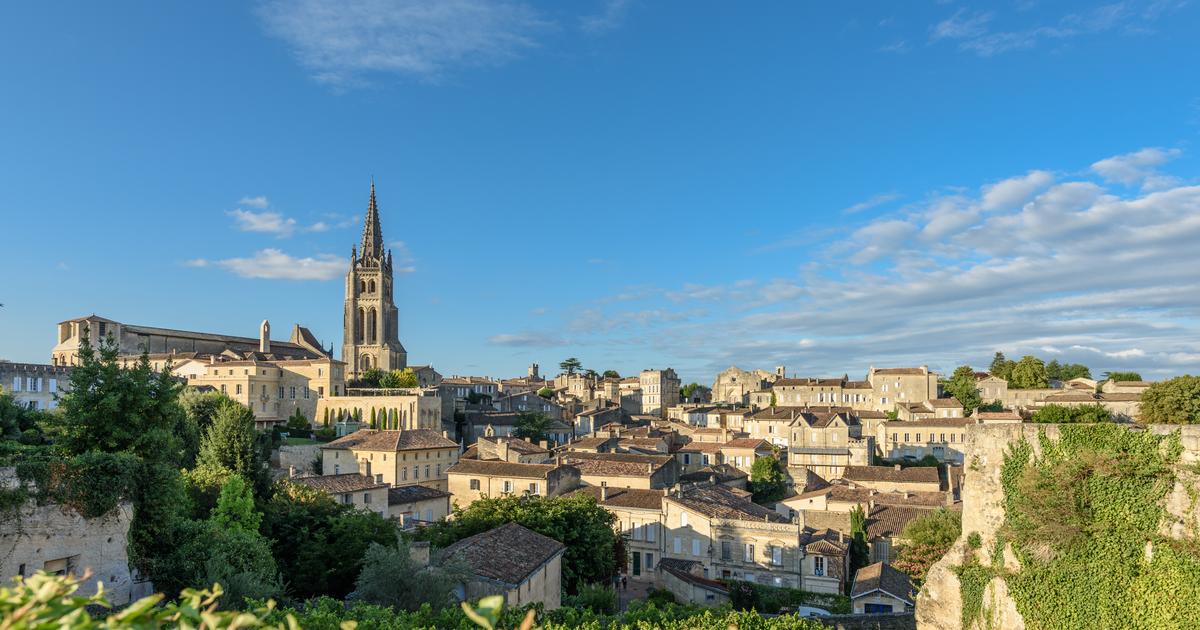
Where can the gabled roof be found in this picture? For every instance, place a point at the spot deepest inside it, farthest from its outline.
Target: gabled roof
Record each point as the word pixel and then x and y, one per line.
pixel 508 554
pixel 338 484
pixel 723 473
pixel 391 440
pixel 826 542
pixel 882 577
pixel 497 468
pixel 746 443
pixel 912 474
pixel 413 494
pixel 625 497
pixel 721 502
pixel 889 521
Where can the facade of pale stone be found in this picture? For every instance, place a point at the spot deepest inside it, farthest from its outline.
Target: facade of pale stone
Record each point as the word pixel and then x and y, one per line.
pixel 417 409
pixel 660 390
pixel 902 385
pixel 370 320
pixel 734 385
pixel 34 385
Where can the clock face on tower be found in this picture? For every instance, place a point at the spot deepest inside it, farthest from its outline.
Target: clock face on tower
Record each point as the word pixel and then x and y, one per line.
pixel 371 339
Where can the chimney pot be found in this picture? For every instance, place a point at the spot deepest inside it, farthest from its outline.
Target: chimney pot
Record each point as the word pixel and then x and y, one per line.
pixel 897 466
pixel 603 493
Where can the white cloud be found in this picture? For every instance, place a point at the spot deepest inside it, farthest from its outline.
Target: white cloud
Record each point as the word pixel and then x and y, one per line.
pixel 259 202
pixel 610 17
pixel 961 25
pixel 344 41
pixel 196 262
pixel 269 222
pixel 1015 191
pixel 1138 167
pixel 273 264
pixel 876 200
pixel 527 339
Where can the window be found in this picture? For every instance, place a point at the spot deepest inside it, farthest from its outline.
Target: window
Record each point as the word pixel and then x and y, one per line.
pixel 683 519
pixel 416 472
pixel 726 550
pixel 877 609
pixel 918 437
pixel 404 477
pixel 777 556
pixel 906 437
pixel 651 532
pixel 427 470
pixel 951 437
pixel 943 436
pixel 320 391
pixel 293 391
pixel 366 497
pixel 474 484
pixel 695 546
pixel 748 555
pixel 649 561
pixel 818 565
pixel 678 545
pixel 237 389
pixel 281 391
pixel 223 388
pixel 533 488
pixel 347 499
pixel 16 383
pixel 508 486
pixel 306 392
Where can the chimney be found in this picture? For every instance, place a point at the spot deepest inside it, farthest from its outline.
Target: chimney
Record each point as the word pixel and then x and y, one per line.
pixel 650 467
pixel 446 434
pixel 897 466
pixel 544 444
pixel 264 337
pixel 291 471
pixel 603 493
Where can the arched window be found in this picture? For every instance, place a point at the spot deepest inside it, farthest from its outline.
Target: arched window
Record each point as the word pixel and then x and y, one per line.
pixel 365 362
pixel 370 286
pixel 362 286
pixel 371 326
pixel 360 325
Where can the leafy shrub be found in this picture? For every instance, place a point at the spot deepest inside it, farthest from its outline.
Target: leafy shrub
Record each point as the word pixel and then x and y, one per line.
pixel 974 540
pixel 597 598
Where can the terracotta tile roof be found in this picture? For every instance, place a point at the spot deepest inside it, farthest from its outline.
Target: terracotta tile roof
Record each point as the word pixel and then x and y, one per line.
pixel 723 472
pixel 930 422
pixel 700 447
pixel 617 464
pixel 392 441
pixel 413 494
pixel 870 413
pixel 882 577
pixel 1118 383
pixel 1072 396
pixel 682 569
pixel 720 502
pixel 912 474
pixel 775 413
pixel 888 521
pixel 524 447
pixel 857 385
pixel 337 484
pixel 746 443
pixel 826 542
pixel 626 497
pixel 1121 397
pixel 496 468
pixel 901 371
pixel 944 403
pixel 509 553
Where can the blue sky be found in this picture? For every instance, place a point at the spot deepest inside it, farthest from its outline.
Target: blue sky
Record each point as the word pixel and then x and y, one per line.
pixel 826 186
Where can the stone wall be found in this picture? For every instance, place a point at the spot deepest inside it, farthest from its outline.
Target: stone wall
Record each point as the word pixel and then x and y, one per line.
pixel 939 605
pixel 894 621
pixel 50 536
pixel 300 455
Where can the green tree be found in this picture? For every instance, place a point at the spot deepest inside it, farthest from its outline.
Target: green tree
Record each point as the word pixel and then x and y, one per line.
pixel 1122 376
pixel 592 374
pixel 962 387
pixel 235 507
pixel 319 544
pixel 773 401
pixel 860 552
pixel 241 561
pixel 1173 401
pixel 369 378
pixel 374 419
pixel 399 378
pixel 198 409
pixel 297 424
pixel 768 481
pixel 1028 373
pixel 685 392
pixel 231 441
pixel 391 578
pixel 1000 367
pixel 993 406
pixel 570 365
pixel 1059 414
pixel 575 520
pixel 611 374
pixel 546 392
pixel 928 538
pixel 531 426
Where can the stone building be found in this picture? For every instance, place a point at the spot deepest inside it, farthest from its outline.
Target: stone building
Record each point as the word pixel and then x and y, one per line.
pixel 734 385
pixel 520 564
pixel 370 319
pixel 624 470
pixel 826 442
pixel 395 458
pixel 399 409
pixel 34 385
pixel 660 390
pixel 942 438
pixel 880 589
pixel 901 385
pixel 273 389
pixel 360 491
pixel 413 506
pixel 640 519
pixel 473 479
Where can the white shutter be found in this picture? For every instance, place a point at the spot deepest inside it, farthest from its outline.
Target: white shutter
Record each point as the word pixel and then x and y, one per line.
pixel 16 383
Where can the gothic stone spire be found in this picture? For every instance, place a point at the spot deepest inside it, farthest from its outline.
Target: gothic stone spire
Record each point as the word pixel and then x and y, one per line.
pixel 372 240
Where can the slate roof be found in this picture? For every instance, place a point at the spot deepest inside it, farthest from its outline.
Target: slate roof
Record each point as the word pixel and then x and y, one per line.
pixel 888 521
pixel 912 474
pixel 508 554
pixel 626 497
pixel 392 441
pixel 721 502
pixel 497 468
pixel 882 577
pixel 413 494
pixel 338 484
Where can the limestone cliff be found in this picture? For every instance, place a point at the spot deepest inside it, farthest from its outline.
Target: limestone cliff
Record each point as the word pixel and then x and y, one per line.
pixel 939 605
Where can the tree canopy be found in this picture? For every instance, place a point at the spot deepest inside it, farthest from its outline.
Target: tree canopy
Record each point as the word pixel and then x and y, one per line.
pixel 611 374
pixel 962 387
pixel 399 378
pixel 570 365
pixel 1028 373
pixel 575 520
pixel 768 481
pixel 1173 401
pixel 928 539
pixel 391 578
pixel 1056 371
pixel 1122 376
pixel 1060 414
pixel 531 426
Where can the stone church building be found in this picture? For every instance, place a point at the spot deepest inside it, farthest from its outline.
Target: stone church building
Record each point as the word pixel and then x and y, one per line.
pixel 371 320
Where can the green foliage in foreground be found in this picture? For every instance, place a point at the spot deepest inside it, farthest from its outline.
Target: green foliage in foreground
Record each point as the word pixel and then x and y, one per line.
pixel 1084 519
pixel 1173 401
pixel 1059 414
pixel 43 601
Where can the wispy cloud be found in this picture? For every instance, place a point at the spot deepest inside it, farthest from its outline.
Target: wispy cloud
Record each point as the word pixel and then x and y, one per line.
pixel 877 200
pixel 345 41
pixel 259 202
pixel 1139 167
pixel 610 17
pixel 273 264
pixel 527 340
pixel 269 221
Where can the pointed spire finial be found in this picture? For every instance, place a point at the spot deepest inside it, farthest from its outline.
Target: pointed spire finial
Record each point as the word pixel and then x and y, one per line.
pixel 372 241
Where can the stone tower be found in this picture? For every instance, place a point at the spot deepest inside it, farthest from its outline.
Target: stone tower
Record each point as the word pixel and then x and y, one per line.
pixel 370 318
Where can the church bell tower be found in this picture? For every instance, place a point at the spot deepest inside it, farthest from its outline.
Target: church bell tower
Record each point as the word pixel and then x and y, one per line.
pixel 370 319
